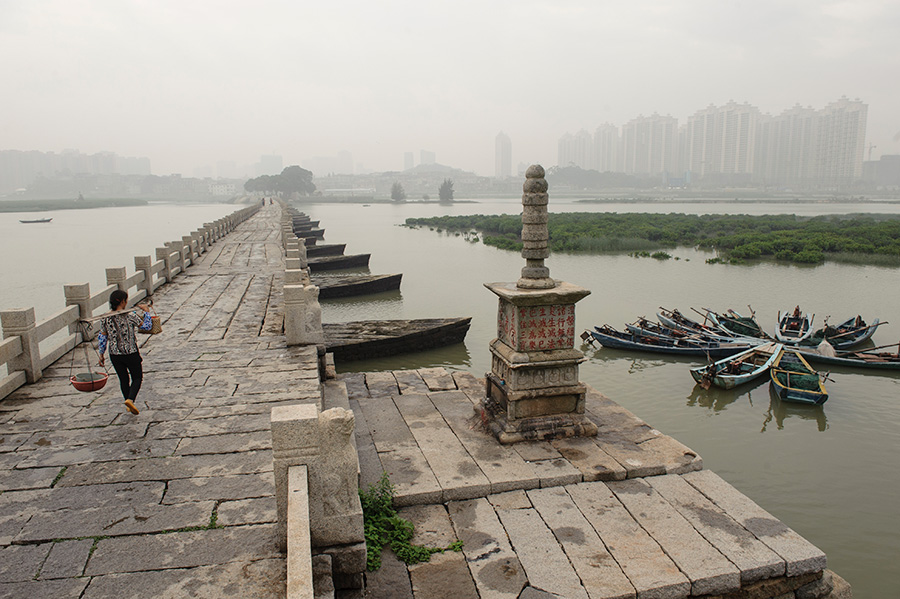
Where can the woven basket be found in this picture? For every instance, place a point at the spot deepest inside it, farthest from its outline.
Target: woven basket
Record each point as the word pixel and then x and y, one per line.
pixel 155 325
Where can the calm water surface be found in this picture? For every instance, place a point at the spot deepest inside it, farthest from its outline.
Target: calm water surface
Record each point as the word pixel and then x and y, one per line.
pixel 829 472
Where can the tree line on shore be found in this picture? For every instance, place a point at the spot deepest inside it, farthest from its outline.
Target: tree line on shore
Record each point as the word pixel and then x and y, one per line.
pixel 735 238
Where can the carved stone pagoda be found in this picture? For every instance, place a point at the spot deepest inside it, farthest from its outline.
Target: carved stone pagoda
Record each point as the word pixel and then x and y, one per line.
pixel 533 391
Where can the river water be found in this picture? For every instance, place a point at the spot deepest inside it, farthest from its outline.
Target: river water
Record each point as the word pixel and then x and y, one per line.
pixel 830 472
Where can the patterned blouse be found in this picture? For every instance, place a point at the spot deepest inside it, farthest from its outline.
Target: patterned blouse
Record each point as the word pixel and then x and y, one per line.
pixel 118 331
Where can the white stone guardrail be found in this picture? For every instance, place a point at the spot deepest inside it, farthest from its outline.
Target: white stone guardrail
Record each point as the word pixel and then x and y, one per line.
pixel 20 349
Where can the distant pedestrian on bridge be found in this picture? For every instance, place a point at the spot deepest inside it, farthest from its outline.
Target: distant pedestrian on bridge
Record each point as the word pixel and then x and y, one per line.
pixel 117 331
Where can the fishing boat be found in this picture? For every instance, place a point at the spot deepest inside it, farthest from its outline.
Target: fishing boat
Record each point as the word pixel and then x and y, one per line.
pixel 35 220
pixel 793 379
pixel 322 263
pixel 850 333
pixel 676 320
pixel 731 321
pixel 794 326
pixel 738 369
pixel 869 359
pixel 378 338
pixel 648 328
pixel 325 249
pixel 607 336
pixel 310 233
pixel 334 286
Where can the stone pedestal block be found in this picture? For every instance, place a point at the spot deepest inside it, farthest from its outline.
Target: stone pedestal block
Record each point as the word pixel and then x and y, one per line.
pixel 79 295
pixel 20 323
pixel 321 442
pixel 303 315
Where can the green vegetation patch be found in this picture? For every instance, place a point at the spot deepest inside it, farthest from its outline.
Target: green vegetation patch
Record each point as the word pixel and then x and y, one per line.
pixel 384 527
pixel 736 238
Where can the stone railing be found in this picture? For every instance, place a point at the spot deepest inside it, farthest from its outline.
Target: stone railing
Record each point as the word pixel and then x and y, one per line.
pixel 320 520
pixel 302 311
pixel 20 349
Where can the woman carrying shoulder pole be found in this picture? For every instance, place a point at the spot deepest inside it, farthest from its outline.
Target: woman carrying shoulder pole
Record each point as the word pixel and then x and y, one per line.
pixel 117 331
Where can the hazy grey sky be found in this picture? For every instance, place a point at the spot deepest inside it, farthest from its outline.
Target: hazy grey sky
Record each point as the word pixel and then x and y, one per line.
pixel 191 83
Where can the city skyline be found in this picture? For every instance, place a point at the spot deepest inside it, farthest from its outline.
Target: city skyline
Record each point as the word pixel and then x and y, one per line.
pixel 194 85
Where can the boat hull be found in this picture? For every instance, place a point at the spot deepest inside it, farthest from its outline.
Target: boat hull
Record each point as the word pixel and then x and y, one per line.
pixel 713 350
pixel 378 338
pixel 793 379
pixel 750 365
pixel 331 287
pixel 338 262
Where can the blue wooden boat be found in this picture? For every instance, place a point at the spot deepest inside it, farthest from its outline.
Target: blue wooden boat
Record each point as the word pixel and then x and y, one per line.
pixel 850 333
pixel 794 326
pixel 738 369
pixel 868 359
pixel 607 336
pixel 793 379
pixel 648 328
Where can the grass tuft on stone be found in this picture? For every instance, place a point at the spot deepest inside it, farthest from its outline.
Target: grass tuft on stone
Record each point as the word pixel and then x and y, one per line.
pixel 384 527
pixel 59 476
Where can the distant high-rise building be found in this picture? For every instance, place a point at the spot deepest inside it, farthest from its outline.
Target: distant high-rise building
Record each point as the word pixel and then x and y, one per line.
pixel 649 144
pixel 426 157
pixel 721 141
pixel 502 156
pixel 407 161
pixel 576 150
pixel 840 142
pixel 606 148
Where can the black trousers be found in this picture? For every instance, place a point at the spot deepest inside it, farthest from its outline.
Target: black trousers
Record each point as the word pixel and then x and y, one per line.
pixel 128 368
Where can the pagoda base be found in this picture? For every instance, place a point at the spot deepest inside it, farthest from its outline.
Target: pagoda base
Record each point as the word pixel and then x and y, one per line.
pixel 534 415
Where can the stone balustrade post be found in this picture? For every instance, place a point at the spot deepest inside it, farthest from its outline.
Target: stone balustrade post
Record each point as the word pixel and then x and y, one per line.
pixel 188 240
pixel 144 265
pixel 164 254
pixel 303 315
pixel 79 295
pixel 296 276
pixel 201 239
pixel 19 322
pixel 321 441
pixel 116 276
pixel 178 246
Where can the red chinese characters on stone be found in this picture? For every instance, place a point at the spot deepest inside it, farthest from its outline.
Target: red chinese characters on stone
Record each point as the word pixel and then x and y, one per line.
pixel 542 328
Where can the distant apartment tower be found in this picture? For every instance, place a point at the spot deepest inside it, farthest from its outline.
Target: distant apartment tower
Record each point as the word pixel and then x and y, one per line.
pixel 426 157
pixel 407 161
pixel 721 142
pixel 576 150
pixel 840 143
pixel 649 145
pixel 606 148
pixel 502 156
pixel 786 147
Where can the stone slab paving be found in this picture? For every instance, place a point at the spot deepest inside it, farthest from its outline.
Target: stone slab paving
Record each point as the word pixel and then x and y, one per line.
pixel 177 501
pixel 628 514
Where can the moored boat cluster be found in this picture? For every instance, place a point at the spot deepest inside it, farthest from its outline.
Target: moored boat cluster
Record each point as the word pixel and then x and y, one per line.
pixel 738 350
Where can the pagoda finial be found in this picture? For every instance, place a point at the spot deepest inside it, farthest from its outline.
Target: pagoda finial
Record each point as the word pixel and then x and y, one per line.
pixel 535 235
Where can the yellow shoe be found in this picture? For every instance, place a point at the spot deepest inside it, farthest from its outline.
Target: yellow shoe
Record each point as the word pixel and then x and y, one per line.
pixel 129 405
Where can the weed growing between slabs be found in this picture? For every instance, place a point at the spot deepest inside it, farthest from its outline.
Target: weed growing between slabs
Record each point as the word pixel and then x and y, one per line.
pixel 384 527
